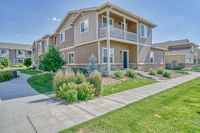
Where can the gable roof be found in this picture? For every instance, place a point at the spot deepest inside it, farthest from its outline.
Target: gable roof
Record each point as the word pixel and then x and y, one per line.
pixel 174 43
pixel 13 46
pixel 178 51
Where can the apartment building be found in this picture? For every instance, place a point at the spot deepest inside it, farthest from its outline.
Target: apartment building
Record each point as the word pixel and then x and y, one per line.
pixel 181 53
pixel 15 52
pixel 118 38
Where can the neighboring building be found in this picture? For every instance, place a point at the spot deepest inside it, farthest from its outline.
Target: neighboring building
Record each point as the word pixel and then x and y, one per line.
pixel 198 56
pixel 15 52
pixel 125 43
pixel 181 53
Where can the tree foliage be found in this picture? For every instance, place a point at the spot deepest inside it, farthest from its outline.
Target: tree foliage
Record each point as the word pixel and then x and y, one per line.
pixel 93 66
pixel 5 62
pixel 27 62
pixel 52 60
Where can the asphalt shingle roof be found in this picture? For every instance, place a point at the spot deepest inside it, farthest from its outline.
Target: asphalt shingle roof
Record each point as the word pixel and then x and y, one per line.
pixel 172 43
pixel 181 50
pixel 12 46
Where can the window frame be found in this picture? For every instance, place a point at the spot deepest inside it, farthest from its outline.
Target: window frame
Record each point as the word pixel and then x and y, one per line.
pixel 4 51
pixel 150 56
pixel 20 62
pixel 107 55
pixel 143 31
pixel 63 36
pixel 19 52
pixel 106 21
pixel 63 56
pixel 84 26
pixel 46 42
pixel 73 56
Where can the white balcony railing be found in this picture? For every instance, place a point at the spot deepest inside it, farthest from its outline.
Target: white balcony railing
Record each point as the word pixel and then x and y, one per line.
pixel 118 33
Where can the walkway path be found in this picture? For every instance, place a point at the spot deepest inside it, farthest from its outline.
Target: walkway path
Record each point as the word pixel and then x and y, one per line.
pixel 60 117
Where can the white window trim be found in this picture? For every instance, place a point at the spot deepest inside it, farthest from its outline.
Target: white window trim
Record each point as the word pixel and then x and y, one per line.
pixel 127 58
pixel 153 56
pixel 68 57
pixel 4 50
pixel 20 50
pixel 47 42
pixel 18 61
pixel 63 36
pixel 107 56
pixel 141 29
pixel 109 22
pixel 88 26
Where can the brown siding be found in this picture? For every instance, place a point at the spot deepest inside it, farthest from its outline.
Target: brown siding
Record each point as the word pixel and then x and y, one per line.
pixel 144 54
pixel 69 39
pixel 158 56
pixel 89 35
pixel 68 22
pixel 133 54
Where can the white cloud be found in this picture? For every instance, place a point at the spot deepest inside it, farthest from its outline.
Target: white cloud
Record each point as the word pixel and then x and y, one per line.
pixel 55 19
pixel 17 35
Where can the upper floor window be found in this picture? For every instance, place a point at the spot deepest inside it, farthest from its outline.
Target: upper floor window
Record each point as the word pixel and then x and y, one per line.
pixel 62 37
pixel 151 57
pixel 20 52
pixel 36 48
pixel 29 53
pixel 104 55
pixel 3 51
pixel 39 46
pixel 71 57
pixel 46 42
pixel 33 50
pixel 143 31
pixel 55 40
pixel 104 21
pixel 84 26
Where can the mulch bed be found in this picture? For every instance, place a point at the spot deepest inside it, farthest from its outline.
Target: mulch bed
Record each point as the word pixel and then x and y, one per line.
pixel 174 75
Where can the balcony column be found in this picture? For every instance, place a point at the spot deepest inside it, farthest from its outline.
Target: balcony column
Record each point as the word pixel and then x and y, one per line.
pixel 124 28
pixel 108 41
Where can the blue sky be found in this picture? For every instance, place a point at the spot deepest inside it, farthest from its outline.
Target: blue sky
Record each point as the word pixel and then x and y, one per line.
pixel 23 21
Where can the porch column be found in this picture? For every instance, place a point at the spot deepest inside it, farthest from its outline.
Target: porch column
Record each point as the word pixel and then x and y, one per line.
pixel 125 28
pixel 108 41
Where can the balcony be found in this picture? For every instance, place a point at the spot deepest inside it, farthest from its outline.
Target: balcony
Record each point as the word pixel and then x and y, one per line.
pixel 118 33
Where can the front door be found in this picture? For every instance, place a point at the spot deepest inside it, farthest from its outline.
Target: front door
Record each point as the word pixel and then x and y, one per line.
pixel 125 59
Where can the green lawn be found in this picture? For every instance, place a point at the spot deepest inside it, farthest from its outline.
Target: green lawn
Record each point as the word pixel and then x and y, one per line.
pixel 26 71
pixel 127 85
pixel 179 108
pixel 41 83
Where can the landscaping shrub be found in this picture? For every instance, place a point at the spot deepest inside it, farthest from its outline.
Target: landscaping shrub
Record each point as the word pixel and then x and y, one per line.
pixel 27 62
pixel 85 91
pixel 183 72
pixel 7 75
pixel 74 69
pixel 58 80
pixel 2 67
pixel 84 71
pixel 153 72
pixel 5 62
pixel 169 68
pixel 21 65
pixel 160 70
pixel 185 69
pixel 71 96
pixel 131 73
pixel 197 66
pixel 70 77
pixel 80 78
pixel 15 66
pixel 96 79
pixel 176 68
pixel 167 74
pixel 118 73
pixel 1 77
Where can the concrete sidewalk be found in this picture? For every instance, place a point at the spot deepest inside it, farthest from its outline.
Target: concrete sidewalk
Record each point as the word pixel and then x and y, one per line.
pixel 59 119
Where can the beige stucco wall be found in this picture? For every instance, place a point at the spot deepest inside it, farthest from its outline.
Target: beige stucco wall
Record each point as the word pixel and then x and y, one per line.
pixel 178 58
pixel 87 36
pixel 118 46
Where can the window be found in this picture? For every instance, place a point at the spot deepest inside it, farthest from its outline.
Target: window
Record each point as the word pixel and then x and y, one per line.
pixel 29 53
pixel 55 40
pixel 84 26
pixel 3 51
pixel 20 52
pixel 20 61
pixel 190 59
pixel 36 49
pixel 39 46
pixel 36 62
pixel 143 31
pixel 46 42
pixel 62 37
pixel 151 57
pixel 104 23
pixel 71 57
pixel 33 50
pixel 104 54
pixel 63 56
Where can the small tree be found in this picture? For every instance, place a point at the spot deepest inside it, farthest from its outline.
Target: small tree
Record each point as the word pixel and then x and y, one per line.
pixel 5 62
pixel 52 60
pixel 27 62
pixel 93 66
